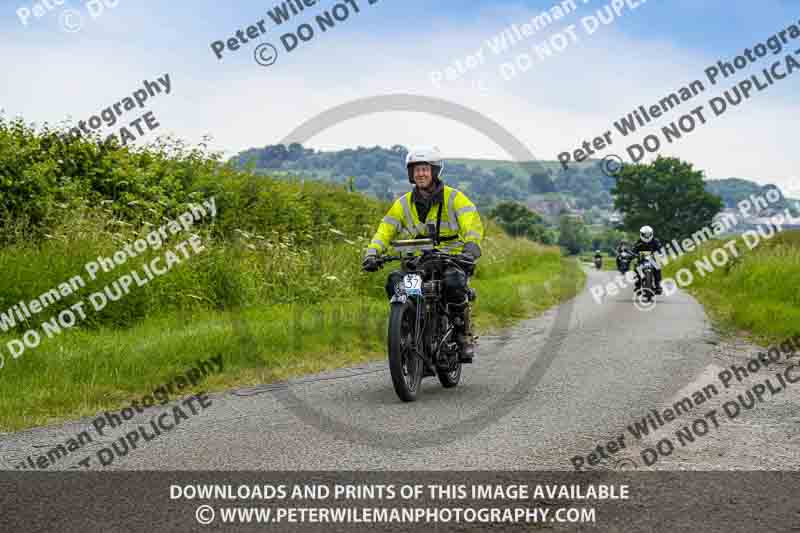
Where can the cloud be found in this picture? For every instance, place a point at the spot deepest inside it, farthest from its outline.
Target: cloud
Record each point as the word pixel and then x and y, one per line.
pixel 572 97
pixel 553 107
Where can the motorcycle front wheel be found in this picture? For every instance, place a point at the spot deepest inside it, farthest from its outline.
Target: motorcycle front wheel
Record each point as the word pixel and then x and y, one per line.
pixel 648 290
pixel 405 366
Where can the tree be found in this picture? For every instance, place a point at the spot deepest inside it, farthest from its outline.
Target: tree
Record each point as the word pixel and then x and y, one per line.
pixel 608 239
pixel 540 184
pixel 519 221
pixel 668 195
pixel 573 235
pixel 296 152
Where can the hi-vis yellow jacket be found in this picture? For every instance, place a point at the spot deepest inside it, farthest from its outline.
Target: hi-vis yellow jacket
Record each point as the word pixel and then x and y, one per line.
pixel 461 223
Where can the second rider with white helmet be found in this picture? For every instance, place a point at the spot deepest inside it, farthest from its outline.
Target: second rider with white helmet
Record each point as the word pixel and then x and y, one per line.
pixel 648 243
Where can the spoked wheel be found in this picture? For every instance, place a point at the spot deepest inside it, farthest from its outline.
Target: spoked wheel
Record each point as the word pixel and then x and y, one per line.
pixel 449 378
pixel 648 293
pixel 404 365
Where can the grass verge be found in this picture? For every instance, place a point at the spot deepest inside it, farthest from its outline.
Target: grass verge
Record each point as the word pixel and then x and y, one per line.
pixel 83 372
pixel 756 293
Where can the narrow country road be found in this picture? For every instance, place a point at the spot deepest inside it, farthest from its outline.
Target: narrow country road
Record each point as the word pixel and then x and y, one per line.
pixel 551 388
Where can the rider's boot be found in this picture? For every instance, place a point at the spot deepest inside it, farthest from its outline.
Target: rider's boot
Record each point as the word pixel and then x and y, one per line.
pixel 659 290
pixel 464 335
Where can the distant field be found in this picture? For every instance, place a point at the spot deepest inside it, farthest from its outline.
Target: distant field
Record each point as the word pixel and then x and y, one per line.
pixel 520 170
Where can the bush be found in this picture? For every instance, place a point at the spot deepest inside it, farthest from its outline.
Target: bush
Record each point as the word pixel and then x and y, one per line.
pixel 66 201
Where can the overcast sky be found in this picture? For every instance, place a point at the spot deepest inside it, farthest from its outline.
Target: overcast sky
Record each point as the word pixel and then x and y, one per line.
pixel 395 47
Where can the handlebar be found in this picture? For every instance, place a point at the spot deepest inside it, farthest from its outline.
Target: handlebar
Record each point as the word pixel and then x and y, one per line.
pixel 631 253
pixel 442 255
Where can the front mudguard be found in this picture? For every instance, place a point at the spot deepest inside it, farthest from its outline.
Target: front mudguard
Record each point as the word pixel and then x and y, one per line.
pixel 398 299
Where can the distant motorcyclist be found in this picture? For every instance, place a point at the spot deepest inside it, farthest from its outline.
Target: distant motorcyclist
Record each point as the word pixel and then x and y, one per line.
pixel 624 256
pixel 598 259
pixel 648 243
pixel 460 233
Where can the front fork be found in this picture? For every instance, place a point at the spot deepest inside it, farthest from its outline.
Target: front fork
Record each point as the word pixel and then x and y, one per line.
pixel 420 339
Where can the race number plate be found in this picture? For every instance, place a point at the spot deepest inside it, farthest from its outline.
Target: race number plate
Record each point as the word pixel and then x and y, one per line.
pixel 413 284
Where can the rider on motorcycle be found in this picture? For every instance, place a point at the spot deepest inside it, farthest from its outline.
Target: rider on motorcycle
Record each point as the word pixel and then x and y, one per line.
pixel 623 256
pixel 460 233
pixel 648 243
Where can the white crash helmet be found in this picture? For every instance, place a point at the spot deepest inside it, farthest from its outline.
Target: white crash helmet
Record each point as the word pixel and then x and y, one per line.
pixel 646 233
pixel 430 155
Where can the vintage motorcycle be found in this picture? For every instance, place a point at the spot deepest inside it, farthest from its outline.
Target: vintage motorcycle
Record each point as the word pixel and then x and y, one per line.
pixel 421 339
pixel 645 277
pixel 624 260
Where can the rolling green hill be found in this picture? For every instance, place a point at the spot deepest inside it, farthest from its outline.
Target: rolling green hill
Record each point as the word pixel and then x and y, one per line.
pixel 543 185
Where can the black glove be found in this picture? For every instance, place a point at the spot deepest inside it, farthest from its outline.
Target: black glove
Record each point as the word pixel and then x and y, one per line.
pixel 472 249
pixel 467 263
pixel 370 264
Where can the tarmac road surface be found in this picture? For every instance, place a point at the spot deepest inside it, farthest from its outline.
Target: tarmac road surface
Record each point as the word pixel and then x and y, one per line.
pixel 549 389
